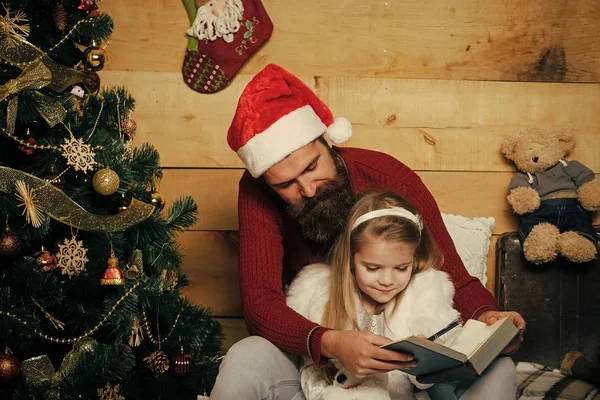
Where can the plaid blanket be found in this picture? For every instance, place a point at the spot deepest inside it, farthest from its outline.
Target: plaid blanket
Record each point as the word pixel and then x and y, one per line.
pixel 537 382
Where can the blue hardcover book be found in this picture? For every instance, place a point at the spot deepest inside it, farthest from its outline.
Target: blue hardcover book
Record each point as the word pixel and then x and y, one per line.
pixel 465 356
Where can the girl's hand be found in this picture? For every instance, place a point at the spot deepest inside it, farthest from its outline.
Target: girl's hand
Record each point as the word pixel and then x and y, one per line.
pixel 359 352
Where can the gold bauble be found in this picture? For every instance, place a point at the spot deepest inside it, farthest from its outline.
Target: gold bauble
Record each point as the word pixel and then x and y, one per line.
pixel 157 200
pixel 94 58
pixel 106 181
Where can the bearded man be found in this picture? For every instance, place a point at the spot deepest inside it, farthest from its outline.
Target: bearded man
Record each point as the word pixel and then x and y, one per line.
pixel 217 18
pixel 293 200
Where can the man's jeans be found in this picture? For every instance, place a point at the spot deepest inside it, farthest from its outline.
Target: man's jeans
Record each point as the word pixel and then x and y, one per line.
pixel 255 369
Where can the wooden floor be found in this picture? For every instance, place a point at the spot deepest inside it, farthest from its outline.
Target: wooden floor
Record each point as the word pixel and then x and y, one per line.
pixel 437 84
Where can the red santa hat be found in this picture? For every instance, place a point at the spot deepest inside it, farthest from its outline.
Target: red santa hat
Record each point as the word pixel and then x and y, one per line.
pixel 276 115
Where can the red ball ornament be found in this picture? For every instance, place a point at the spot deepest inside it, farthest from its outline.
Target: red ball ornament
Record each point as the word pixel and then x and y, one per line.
pixel 10 244
pixel 182 363
pixel 91 82
pixel 88 5
pixel 46 260
pixel 125 200
pixel 10 367
pixel 26 149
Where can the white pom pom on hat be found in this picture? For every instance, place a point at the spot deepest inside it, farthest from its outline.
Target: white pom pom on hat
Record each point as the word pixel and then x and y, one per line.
pixel 276 115
pixel 340 131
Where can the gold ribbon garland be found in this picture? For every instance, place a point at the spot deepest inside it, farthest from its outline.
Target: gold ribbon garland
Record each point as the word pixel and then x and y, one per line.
pixel 50 109
pixel 63 209
pixel 35 75
pixel 39 71
pixel 39 375
pixel 24 53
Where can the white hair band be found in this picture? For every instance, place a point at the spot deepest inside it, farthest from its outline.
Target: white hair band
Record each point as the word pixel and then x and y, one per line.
pixel 397 211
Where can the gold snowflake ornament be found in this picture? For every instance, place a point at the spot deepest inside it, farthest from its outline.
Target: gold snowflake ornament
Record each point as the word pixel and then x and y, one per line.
pixel 128 153
pixel 71 257
pixel 26 196
pixel 14 27
pixel 110 392
pixel 79 155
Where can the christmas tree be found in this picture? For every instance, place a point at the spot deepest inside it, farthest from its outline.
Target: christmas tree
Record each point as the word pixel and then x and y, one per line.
pixel 89 265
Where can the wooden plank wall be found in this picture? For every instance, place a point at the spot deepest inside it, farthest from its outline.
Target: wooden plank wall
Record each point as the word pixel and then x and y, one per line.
pixel 438 84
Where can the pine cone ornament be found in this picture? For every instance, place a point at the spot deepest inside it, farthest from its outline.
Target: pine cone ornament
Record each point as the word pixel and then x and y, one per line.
pixel 60 16
pixel 129 126
pixel 158 362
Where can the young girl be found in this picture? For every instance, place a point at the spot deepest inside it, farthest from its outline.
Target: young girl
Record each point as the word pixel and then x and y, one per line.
pixel 382 276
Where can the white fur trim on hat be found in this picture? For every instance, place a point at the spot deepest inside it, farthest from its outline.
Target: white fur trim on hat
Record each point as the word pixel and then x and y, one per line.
pixel 340 131
pixel 288 134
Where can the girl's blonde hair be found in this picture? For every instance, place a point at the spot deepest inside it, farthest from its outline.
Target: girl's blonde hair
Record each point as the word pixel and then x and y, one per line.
pixel 340 309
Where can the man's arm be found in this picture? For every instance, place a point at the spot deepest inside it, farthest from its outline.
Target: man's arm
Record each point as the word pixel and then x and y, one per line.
pixel 260 274
pixel 471 298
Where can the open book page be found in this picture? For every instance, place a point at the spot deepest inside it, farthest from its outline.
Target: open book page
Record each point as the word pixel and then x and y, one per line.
pixel 464 356
pixel 472 335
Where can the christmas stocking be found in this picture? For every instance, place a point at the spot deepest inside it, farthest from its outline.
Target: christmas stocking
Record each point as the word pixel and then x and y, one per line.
pixel 223 36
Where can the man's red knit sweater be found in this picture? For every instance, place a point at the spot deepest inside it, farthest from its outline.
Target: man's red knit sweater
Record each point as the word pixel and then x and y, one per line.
pixel 273 250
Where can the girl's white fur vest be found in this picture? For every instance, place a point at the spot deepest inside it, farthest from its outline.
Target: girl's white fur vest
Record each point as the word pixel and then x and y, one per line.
pixel 425 308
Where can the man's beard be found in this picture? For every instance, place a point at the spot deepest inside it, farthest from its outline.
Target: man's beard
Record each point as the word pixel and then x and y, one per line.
pixel 323 216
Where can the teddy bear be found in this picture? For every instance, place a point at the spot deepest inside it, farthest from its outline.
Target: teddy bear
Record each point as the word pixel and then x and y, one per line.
pixel 554 197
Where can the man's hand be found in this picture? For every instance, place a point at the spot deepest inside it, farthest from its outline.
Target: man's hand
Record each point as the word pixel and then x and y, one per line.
pixel 359 352
pixel 489 317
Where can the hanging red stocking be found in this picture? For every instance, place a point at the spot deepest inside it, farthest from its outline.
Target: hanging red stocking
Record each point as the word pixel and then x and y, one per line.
pixel 223 36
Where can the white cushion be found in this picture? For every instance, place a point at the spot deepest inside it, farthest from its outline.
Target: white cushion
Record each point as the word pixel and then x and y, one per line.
pixel 471 237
